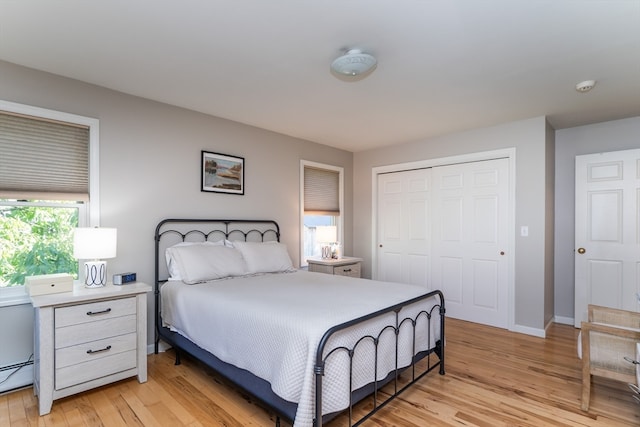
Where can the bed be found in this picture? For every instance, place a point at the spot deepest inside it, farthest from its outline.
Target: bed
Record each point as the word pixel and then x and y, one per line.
pixel 306 345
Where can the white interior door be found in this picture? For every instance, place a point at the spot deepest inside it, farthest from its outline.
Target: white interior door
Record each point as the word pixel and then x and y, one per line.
pixel 607 257
pixel 404 240
pixel 470 240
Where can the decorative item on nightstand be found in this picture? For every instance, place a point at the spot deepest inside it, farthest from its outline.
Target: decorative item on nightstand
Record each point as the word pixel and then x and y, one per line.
pixel 327 236
pixel 45 284
pixel 95 244
pixel 124 278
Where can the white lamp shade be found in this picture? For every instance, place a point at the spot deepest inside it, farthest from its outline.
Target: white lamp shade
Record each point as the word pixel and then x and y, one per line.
pixel 94 243
pixel 326 234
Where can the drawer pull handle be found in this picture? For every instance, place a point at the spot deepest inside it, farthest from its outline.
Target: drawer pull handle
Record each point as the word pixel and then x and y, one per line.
pixel 93 313
pixel 99 351
pixel 347 270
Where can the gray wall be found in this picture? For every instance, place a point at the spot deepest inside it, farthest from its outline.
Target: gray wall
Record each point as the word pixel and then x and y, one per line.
pixel 609 136
pixel 149 168
pixel 149 159
pixel 533 184
pixel 550 225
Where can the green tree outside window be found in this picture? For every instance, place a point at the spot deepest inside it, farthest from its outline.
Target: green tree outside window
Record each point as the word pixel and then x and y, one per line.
pixel 36 240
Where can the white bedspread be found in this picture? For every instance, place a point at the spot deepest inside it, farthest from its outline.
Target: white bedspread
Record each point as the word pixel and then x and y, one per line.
pixel 271 325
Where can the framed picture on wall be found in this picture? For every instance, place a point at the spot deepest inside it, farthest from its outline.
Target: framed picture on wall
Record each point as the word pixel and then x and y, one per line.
pixel 222 173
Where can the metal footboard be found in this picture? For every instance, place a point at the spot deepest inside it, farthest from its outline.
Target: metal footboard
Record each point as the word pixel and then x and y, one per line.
pixel 393 378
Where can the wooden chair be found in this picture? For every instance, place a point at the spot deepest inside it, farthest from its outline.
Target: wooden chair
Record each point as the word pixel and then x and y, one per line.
pixel 607 338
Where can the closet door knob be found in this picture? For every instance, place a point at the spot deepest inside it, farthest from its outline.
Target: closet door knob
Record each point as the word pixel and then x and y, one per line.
pixel 581 250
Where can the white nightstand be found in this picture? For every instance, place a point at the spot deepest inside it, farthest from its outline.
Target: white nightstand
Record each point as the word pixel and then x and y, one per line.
pixel 345 266
pixel 88 338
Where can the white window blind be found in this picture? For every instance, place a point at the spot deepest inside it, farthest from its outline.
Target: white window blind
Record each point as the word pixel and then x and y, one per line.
pixel 43 159
pixel 321 191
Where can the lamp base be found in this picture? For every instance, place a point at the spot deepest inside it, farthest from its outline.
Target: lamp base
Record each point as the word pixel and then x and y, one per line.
pixel 95 274
pixel 326 252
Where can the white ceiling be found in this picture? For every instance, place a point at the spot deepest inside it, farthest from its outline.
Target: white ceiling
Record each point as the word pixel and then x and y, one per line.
pixel 443 65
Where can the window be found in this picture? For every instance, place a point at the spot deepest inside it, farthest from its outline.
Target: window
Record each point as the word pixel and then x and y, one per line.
pixel 321 201
pixel 48 175
pixel 36 237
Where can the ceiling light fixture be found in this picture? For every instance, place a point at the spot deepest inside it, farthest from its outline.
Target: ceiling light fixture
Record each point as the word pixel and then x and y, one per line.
pixel 585 86
pixel 354 64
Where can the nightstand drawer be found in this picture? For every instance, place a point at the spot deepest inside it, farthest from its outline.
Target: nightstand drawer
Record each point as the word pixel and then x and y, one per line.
pixel 83 372
pixel 95 350
pixel 83 313
pixel 351 270
pixel 83 333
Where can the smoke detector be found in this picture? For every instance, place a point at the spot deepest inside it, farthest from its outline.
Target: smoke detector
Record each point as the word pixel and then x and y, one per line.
pixel 585 86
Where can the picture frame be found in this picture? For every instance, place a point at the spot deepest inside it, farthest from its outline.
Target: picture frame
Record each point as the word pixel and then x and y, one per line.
pixel 221 173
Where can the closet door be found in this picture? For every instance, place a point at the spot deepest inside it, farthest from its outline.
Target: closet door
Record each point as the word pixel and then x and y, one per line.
pixel 470 236
pixel 404 238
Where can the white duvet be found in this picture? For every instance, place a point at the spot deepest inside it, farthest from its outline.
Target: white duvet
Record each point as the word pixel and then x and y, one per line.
pixel 271 325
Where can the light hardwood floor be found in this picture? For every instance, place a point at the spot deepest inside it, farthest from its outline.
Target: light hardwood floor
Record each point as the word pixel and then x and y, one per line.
pixel 494 378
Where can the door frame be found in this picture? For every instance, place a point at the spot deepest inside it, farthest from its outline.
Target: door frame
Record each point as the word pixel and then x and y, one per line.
pixel 508 153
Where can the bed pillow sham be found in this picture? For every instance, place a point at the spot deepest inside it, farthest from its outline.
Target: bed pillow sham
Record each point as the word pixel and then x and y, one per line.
pixel 200 263
pixel 172 266
pixel 267 257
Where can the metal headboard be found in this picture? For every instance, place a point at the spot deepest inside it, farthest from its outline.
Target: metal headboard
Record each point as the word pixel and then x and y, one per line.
pixel 174 230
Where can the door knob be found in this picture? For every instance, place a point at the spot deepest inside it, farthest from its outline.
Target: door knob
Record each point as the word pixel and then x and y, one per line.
pixel 581 250
pixel 501 252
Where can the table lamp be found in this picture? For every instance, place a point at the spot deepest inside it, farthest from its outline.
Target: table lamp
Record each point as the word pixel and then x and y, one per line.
pixel 94 244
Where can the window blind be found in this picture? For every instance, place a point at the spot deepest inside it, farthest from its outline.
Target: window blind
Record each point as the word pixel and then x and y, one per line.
pixel 321 191
pixel 42 159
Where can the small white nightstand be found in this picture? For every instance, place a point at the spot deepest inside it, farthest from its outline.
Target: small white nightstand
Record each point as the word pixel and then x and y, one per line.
pixel 88 338
pixel 345 266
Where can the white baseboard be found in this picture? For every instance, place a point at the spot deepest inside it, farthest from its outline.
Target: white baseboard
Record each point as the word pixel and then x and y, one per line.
pixel 22 378
pixel 529 331
pixel 564 320
pixel 542 332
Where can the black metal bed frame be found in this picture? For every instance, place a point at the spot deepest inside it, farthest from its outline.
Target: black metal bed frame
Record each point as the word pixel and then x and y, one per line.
pixel 259 389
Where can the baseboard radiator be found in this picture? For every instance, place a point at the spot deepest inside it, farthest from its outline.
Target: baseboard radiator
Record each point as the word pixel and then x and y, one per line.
pixel 16 376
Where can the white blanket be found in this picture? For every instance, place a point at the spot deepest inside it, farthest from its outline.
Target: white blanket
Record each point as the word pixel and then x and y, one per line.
pixel 271 325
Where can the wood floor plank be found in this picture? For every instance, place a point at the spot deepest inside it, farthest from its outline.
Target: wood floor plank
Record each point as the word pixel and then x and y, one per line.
pixel 114 394
pixel 182 415
pixel 4 410
pixel 106 410
pixel 17 412
pixel 494 378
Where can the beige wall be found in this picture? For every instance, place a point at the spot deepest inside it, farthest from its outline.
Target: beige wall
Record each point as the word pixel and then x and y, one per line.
pixel 149 165
pixel 529 138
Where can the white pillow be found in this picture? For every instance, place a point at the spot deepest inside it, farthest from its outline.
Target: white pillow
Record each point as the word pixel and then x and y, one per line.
pixel 172 267
pixel 199 263
pixel 268 257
